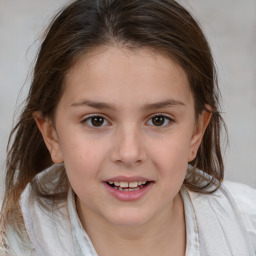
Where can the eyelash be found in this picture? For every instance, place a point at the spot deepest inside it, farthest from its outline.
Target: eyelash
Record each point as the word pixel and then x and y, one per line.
pixel 165 117
pixel 89 119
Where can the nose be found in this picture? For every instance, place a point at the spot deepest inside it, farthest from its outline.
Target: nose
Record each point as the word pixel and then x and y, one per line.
pixel 128 147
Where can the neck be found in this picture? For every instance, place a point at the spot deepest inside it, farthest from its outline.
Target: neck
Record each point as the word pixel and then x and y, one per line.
pixel 164 234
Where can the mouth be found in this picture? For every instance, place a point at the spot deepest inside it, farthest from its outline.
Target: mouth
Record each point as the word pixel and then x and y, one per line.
pixel 128 188
pixel 125 186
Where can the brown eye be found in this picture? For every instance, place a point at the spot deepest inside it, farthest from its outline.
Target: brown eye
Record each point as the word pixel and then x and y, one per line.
pixel 95 121
pixel 159 120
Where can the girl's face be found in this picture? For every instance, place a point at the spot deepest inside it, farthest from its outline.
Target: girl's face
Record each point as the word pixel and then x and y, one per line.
pixel 125 128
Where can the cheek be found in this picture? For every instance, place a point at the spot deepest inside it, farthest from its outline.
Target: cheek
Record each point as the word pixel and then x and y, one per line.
pixel 171 156
pixel 83 160
pixel 79 148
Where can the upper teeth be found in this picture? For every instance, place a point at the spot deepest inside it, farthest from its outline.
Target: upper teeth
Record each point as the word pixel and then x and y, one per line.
pixel 124 184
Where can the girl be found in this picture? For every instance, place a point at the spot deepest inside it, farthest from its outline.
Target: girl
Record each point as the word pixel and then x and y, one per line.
pixel 117 151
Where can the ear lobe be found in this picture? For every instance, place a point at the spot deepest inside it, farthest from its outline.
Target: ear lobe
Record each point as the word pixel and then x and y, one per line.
pixel 49 134
pixel 200 127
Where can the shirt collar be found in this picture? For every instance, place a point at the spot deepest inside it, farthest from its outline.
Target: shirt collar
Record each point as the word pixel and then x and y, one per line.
pixel 83 245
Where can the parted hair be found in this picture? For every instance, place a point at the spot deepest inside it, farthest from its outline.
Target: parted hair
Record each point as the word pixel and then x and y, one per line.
pixel 161 25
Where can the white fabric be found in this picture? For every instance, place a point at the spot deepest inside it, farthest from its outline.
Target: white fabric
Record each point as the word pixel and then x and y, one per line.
pixel 214 225
pixel 245 199
pixel 220 227
pixel 48 232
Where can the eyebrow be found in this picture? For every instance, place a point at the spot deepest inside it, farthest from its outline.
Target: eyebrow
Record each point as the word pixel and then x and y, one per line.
pixel 163 104
pixel 93 104
pixel 103 105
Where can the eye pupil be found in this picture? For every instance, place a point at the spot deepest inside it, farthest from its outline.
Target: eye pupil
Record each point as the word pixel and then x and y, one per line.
pixel 97 121
pixel 158 120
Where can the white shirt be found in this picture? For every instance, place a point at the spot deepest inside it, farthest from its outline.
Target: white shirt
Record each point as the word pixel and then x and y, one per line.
pixel 214 224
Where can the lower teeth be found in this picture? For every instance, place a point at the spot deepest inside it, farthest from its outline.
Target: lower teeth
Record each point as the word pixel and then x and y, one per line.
pixel 127 189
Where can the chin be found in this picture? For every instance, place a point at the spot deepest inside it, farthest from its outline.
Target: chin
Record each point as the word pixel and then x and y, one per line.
pixel 128 218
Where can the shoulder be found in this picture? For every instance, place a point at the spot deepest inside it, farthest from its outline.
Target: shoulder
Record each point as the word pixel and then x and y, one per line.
pixel 245 199
pixel 227 217
pixel 243 195
pixel 56 236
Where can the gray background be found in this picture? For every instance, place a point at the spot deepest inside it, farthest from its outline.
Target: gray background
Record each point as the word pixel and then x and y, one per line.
pixel 230 26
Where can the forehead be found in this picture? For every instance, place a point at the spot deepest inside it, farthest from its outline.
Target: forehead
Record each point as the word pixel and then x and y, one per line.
pixel 114 72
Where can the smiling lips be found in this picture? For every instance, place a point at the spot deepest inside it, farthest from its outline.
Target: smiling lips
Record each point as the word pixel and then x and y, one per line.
pixel 128 189
pixel 127 186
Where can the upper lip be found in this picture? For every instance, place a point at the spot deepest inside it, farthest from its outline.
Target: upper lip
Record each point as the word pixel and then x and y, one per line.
pixel 127 179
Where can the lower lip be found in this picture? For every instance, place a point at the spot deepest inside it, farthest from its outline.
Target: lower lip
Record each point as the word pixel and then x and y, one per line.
pixel 128 195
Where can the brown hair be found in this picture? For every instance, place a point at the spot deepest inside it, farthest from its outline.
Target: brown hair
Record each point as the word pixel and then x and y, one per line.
pixel 162 25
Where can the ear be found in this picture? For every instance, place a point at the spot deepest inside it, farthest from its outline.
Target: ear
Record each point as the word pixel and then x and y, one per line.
pixel 198 133
pixel 49 134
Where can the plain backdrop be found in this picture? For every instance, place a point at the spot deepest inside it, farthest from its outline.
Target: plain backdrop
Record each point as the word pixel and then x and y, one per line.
pixel 230 26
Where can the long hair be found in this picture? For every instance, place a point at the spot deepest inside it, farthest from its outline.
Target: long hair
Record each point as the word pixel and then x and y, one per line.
pixel 161 25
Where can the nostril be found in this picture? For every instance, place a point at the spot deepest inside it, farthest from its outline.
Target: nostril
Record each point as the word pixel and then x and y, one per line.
pixel 128 152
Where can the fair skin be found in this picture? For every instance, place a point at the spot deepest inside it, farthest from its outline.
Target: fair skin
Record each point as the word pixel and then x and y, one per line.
pixel 144 131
